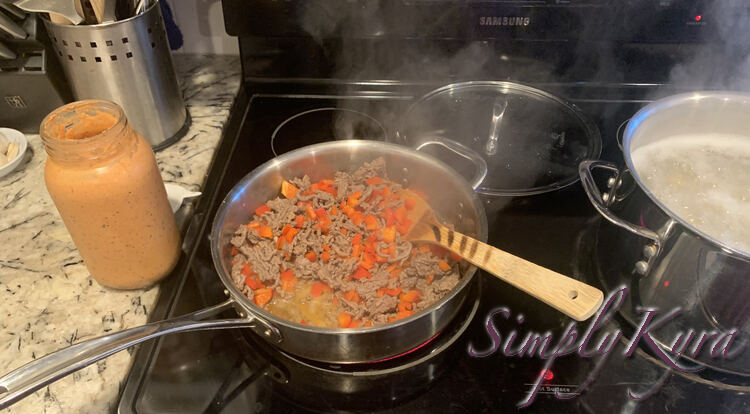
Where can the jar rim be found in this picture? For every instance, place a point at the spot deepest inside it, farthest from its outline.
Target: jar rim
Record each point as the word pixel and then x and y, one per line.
pixel 114 109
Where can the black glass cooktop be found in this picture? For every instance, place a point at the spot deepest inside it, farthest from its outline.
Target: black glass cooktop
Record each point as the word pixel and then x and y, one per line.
pixel 235 372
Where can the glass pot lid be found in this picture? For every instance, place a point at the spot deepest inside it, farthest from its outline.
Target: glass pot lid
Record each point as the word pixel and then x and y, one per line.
pixel 532 141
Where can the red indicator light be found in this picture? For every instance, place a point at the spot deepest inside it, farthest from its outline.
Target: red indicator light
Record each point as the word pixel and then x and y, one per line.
pixel 548 375
pixel 698 18
pixel 666 283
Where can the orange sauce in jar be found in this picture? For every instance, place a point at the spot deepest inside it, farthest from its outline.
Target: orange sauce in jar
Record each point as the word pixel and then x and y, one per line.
pixel 104 181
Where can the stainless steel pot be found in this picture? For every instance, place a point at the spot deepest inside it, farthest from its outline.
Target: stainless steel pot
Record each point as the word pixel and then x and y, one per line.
pixel 451 196
pixel 674 264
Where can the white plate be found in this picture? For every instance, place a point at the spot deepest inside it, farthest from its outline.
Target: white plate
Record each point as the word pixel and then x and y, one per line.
pixel 20 139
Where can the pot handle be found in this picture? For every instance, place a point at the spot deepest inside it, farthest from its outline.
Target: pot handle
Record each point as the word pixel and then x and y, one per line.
pixel 49 368
pixel 480 165
pixel 602 202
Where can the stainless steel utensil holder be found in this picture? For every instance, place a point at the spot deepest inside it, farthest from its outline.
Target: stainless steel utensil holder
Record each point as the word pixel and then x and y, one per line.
pixel 127 62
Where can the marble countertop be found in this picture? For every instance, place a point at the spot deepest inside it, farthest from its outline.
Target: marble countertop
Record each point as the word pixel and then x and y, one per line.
pixel 48 300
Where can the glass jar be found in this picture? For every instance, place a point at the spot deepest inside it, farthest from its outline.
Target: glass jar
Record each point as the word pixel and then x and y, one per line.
pixel 104 181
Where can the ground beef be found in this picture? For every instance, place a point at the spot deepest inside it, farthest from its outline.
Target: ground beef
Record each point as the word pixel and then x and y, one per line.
pixel 405 268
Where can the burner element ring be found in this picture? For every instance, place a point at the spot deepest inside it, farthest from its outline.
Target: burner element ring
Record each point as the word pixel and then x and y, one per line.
pixel 322 125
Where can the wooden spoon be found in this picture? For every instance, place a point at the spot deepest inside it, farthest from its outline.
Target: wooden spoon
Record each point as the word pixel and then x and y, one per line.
pixel 571 297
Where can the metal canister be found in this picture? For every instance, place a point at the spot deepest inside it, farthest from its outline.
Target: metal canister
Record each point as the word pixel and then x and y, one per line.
pixel 127 62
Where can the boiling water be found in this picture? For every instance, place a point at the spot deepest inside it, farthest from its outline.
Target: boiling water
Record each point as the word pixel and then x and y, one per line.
pixel 705 180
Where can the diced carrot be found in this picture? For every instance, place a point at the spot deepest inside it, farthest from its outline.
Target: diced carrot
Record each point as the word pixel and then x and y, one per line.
pixel 371 222
pixel 324 221
pixel 318 288
pixel 288 189
pixel 380 259
pixel 351 296
pixel 357 239
pixel 286 229
pixel 355 323
pixel 344 231
pixel 326 248
pixel 334 211
pixel 303 322
pixel 254 283
pixel 311 256
pixel 325 185
pixel 361 273
pixel 393 270
pixel 387 192
pixel 287 275
pixel 390 218
pixel 262 296
pixel 357 218
pixel 287 256
pixel 329 189
pixel 234 251
pixel 400 214
pixel 374 181
pixel 411 296
pixel 247 269
pixel 288 281
pixel 455 257
pixel 410 203
pixel 262 210
pixel 280 242
pixel 368 323
pixel 387 291
pixel 253 225
pixel 348 210
pixel 444 266
pixel 393 292
pixel 390 250
pixel 344 319
pixel 325 256
pixel 310 212
pixel 388 234
pixel 265 231
pixel 300 221
pixel 404 314
pixel 368 261
pixel 289 236
pixel 429 278
pixel 401 315
pixel 404 306
pixel 353 199
pixel 404 226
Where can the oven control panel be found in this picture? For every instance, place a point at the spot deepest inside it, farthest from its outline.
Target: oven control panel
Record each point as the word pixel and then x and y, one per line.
pixel 643 21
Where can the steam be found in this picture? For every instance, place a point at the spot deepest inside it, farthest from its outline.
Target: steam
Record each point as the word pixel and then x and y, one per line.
pixel 716 64
pixel 721 63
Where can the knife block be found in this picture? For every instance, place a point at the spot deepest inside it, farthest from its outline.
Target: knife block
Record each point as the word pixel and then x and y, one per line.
pixel 33 84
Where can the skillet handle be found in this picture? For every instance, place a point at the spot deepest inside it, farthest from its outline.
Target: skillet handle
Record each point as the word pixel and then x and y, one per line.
pixel 480 165
pixel 602 202
pixel 49 368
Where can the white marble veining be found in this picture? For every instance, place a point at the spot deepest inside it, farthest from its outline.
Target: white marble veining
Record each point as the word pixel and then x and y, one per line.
pixel 47 297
